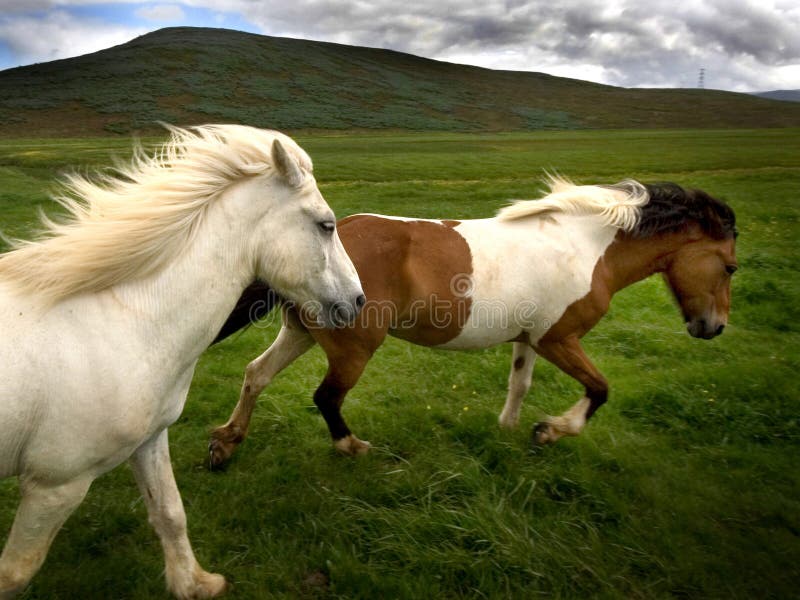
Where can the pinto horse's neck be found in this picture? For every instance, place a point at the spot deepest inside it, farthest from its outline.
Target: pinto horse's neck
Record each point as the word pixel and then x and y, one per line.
pixel 628 259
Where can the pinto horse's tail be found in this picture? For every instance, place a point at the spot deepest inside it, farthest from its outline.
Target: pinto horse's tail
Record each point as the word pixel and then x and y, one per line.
pixel 256 302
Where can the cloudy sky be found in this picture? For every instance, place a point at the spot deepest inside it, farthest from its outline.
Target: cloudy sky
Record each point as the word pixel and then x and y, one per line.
pixel 743 45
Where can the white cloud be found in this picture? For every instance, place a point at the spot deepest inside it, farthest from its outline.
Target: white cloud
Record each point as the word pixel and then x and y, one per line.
pixel 11 6
pixel 60 35
pixel 743 44
pixel 162 12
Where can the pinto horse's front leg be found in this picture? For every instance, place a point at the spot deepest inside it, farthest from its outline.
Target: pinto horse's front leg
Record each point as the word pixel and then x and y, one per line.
pixel 519 382
pixel 342 375
pixel 568 355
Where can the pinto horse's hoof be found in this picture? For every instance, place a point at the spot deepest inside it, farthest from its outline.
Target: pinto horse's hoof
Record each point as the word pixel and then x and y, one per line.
pixel 218 453
pixel 221 446
pixel 540 436
pixel 352 446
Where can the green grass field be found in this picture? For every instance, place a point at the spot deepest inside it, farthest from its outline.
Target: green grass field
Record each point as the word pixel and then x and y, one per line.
pixel 686 484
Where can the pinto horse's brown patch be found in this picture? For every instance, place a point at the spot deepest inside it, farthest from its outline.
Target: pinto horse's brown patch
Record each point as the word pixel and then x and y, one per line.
pixel 410 271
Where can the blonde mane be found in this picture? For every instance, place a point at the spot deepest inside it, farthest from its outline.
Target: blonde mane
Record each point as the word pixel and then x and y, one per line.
pixel 619 205
pixel 132 221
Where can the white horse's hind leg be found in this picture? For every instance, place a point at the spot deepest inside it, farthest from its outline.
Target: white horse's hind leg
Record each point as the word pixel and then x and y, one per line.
pixel 41 513
pixel 153 471
pixel 519 382
pixel 293 341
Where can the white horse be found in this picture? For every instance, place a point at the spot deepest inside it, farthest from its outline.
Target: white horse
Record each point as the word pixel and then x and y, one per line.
pixel 103 318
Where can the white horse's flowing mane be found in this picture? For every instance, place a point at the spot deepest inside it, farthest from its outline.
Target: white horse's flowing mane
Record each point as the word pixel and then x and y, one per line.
pixel 619 205
pixel 133 220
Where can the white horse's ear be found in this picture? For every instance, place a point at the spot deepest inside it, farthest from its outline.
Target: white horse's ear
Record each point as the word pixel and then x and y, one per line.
pixel 287 166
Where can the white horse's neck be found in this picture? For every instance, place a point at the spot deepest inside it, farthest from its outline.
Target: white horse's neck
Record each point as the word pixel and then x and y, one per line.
pixel 193 296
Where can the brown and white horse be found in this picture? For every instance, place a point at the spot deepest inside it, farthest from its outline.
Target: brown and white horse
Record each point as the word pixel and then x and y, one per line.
pixel 539 275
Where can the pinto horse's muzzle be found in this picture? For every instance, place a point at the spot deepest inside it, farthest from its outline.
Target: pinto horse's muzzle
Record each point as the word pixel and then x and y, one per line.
pixel 701 328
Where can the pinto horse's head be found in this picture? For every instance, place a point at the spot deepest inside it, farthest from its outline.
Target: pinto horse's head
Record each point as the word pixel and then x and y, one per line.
pixel 699 272
pixel 700 278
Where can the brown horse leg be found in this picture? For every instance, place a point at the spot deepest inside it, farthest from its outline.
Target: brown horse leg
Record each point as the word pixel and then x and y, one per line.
pixel 519 382
pixel 293 340
pixel 343 373
pixel 568 355
pixel 348 350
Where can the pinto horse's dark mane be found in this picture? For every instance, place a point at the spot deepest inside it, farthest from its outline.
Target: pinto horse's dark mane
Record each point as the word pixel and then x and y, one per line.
pixel 672 207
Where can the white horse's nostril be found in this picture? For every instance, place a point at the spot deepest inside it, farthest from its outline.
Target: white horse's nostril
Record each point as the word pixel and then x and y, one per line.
pixel 342 313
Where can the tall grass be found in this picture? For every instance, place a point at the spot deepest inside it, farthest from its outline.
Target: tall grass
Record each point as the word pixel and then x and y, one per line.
pixel 687 483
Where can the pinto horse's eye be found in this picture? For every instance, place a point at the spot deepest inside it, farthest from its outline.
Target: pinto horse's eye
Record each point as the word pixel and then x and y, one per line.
pixel 327 226
pixel 731 269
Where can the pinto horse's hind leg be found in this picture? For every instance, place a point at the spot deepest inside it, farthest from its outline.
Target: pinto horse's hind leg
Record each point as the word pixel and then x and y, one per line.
pixel 568 355
pixel 519 382
pixel 153 471
pixel 293 340
pixel 41 513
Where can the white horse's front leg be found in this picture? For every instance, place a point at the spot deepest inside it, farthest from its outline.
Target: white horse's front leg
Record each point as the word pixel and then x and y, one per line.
pixel 41 513
pixel 153 471
pixel 519 382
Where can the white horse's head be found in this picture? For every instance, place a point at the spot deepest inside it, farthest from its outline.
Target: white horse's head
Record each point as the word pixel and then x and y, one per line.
pixel 296 245
pixel 280 228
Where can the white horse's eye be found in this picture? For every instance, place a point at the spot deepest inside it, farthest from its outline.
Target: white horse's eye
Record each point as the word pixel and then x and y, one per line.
pixel 327 226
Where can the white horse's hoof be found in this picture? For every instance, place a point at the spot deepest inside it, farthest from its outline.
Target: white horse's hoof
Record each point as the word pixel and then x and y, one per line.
pixel 202 585
pixel 211 585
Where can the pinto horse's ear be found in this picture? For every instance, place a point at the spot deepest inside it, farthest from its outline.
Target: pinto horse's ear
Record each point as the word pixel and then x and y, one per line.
pixel 287 166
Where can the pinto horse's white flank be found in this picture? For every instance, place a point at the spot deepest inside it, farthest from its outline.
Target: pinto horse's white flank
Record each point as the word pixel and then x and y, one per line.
pixel 540 275
pixel 103 319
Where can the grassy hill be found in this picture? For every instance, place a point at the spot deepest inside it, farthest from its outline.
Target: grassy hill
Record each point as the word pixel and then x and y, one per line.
pixel 785 95
pixel 194 75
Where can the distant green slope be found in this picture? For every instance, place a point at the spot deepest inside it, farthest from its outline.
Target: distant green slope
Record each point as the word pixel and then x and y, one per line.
pixel 785 95
pixel 194 75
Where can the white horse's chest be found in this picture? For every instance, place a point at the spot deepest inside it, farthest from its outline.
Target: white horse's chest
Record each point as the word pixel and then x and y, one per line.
pixel 526 274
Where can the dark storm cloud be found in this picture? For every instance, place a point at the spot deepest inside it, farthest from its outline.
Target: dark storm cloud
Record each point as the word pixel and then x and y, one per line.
pixel 750 29
pixel 743 44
